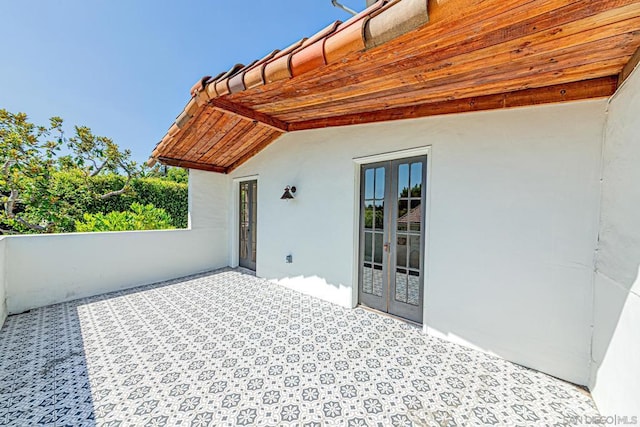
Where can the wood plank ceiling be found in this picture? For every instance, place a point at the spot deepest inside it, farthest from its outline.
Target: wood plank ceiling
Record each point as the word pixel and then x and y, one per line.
pixel 471 55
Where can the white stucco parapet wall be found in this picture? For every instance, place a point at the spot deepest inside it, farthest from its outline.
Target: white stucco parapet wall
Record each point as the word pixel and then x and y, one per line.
pixel 3 294
pixel 47 269
pixel 615 379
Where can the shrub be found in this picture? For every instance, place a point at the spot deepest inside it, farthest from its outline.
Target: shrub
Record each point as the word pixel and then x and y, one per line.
pixel 138 217
pixel 71 186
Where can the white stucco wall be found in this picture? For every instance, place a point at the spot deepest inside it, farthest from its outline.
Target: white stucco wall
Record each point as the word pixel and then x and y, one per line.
pixel 42 270
pixel 208 205
pixel 513 224
pixel 3 302
pixel 615 378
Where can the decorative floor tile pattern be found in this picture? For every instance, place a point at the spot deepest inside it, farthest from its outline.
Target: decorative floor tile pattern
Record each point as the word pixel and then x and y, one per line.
pixel 226 348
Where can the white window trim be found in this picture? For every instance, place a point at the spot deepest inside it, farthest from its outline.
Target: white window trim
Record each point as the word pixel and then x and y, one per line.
pixel 393 155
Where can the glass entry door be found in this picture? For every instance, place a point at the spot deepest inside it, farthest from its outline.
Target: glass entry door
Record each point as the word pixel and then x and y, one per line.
pixel 248 224
pixel 392 230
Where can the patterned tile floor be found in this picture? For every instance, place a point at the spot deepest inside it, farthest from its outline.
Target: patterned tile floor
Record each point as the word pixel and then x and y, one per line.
pixel 226 348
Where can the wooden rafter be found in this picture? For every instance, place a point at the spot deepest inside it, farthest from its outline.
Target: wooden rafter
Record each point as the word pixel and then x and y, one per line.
pixel 191 165
pixel 628 69
pixel 245 156
pixel 247 113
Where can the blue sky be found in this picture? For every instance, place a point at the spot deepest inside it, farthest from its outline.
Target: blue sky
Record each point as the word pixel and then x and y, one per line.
pixel 125 67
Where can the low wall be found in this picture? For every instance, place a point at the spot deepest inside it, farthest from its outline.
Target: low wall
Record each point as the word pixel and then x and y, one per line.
pixel 3 304
pixel 46 269
pixel 43 270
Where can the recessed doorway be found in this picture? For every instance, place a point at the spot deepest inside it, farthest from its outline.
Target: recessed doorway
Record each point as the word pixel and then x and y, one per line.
pixel 392 237
pixel 248 223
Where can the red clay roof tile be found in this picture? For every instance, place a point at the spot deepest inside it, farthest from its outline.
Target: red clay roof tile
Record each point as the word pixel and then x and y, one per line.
pixel 307 59
pixel 236 83
pixel 254 76
pixel 222 87
pixel 279 68
pixel 199 85
pixel 322 34
pixel 346 40
pixel 311 55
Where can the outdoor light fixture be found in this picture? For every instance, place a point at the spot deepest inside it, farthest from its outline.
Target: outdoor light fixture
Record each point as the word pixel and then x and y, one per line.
pixel 287 193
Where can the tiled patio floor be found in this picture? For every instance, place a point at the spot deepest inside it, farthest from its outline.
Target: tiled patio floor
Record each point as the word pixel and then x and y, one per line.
pixel 226 348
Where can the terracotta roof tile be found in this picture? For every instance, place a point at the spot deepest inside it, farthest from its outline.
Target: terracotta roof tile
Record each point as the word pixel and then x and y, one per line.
pixel 182 119
pixel 279 67
pixel 308 59
pixel 211 80
pixel 211 90
pixel 347 39
pixel 222 87
pixel 311 55
pixel 236 82
pixel 253 75
pixel 199 85
pixel 322 34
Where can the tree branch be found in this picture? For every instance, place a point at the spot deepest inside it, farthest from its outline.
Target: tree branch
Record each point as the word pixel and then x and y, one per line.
pixel 6 166
pixel 11 203
pixel 98 169
pixel 34 227
pixel 117 192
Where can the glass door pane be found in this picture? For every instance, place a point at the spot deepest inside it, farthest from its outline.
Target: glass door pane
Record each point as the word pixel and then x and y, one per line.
pixel 373 231
pixel 248 220
pixel 244 221
pixel 408 246
pixel 254 219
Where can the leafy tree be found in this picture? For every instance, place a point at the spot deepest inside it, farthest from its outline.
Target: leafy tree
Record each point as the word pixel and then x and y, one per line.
pixel 27 155
pixel 138 217
pixel 179 175
pixel 175 174
pixel 98 154
pixel 33 200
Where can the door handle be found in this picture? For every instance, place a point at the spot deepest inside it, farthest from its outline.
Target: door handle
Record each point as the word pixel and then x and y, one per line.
pixel 387 247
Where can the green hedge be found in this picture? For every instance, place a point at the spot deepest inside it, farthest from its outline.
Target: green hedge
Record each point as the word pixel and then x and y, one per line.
pixel 138 217
pixel 161 193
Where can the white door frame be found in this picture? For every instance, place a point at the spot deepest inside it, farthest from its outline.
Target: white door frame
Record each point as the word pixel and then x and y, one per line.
pixel 394 155
pixel 234 256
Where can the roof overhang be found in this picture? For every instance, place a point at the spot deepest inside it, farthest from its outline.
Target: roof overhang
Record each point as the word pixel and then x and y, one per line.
pixel 396 61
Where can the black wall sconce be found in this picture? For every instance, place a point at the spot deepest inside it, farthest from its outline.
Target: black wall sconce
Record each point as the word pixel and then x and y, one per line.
pixel 288 190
